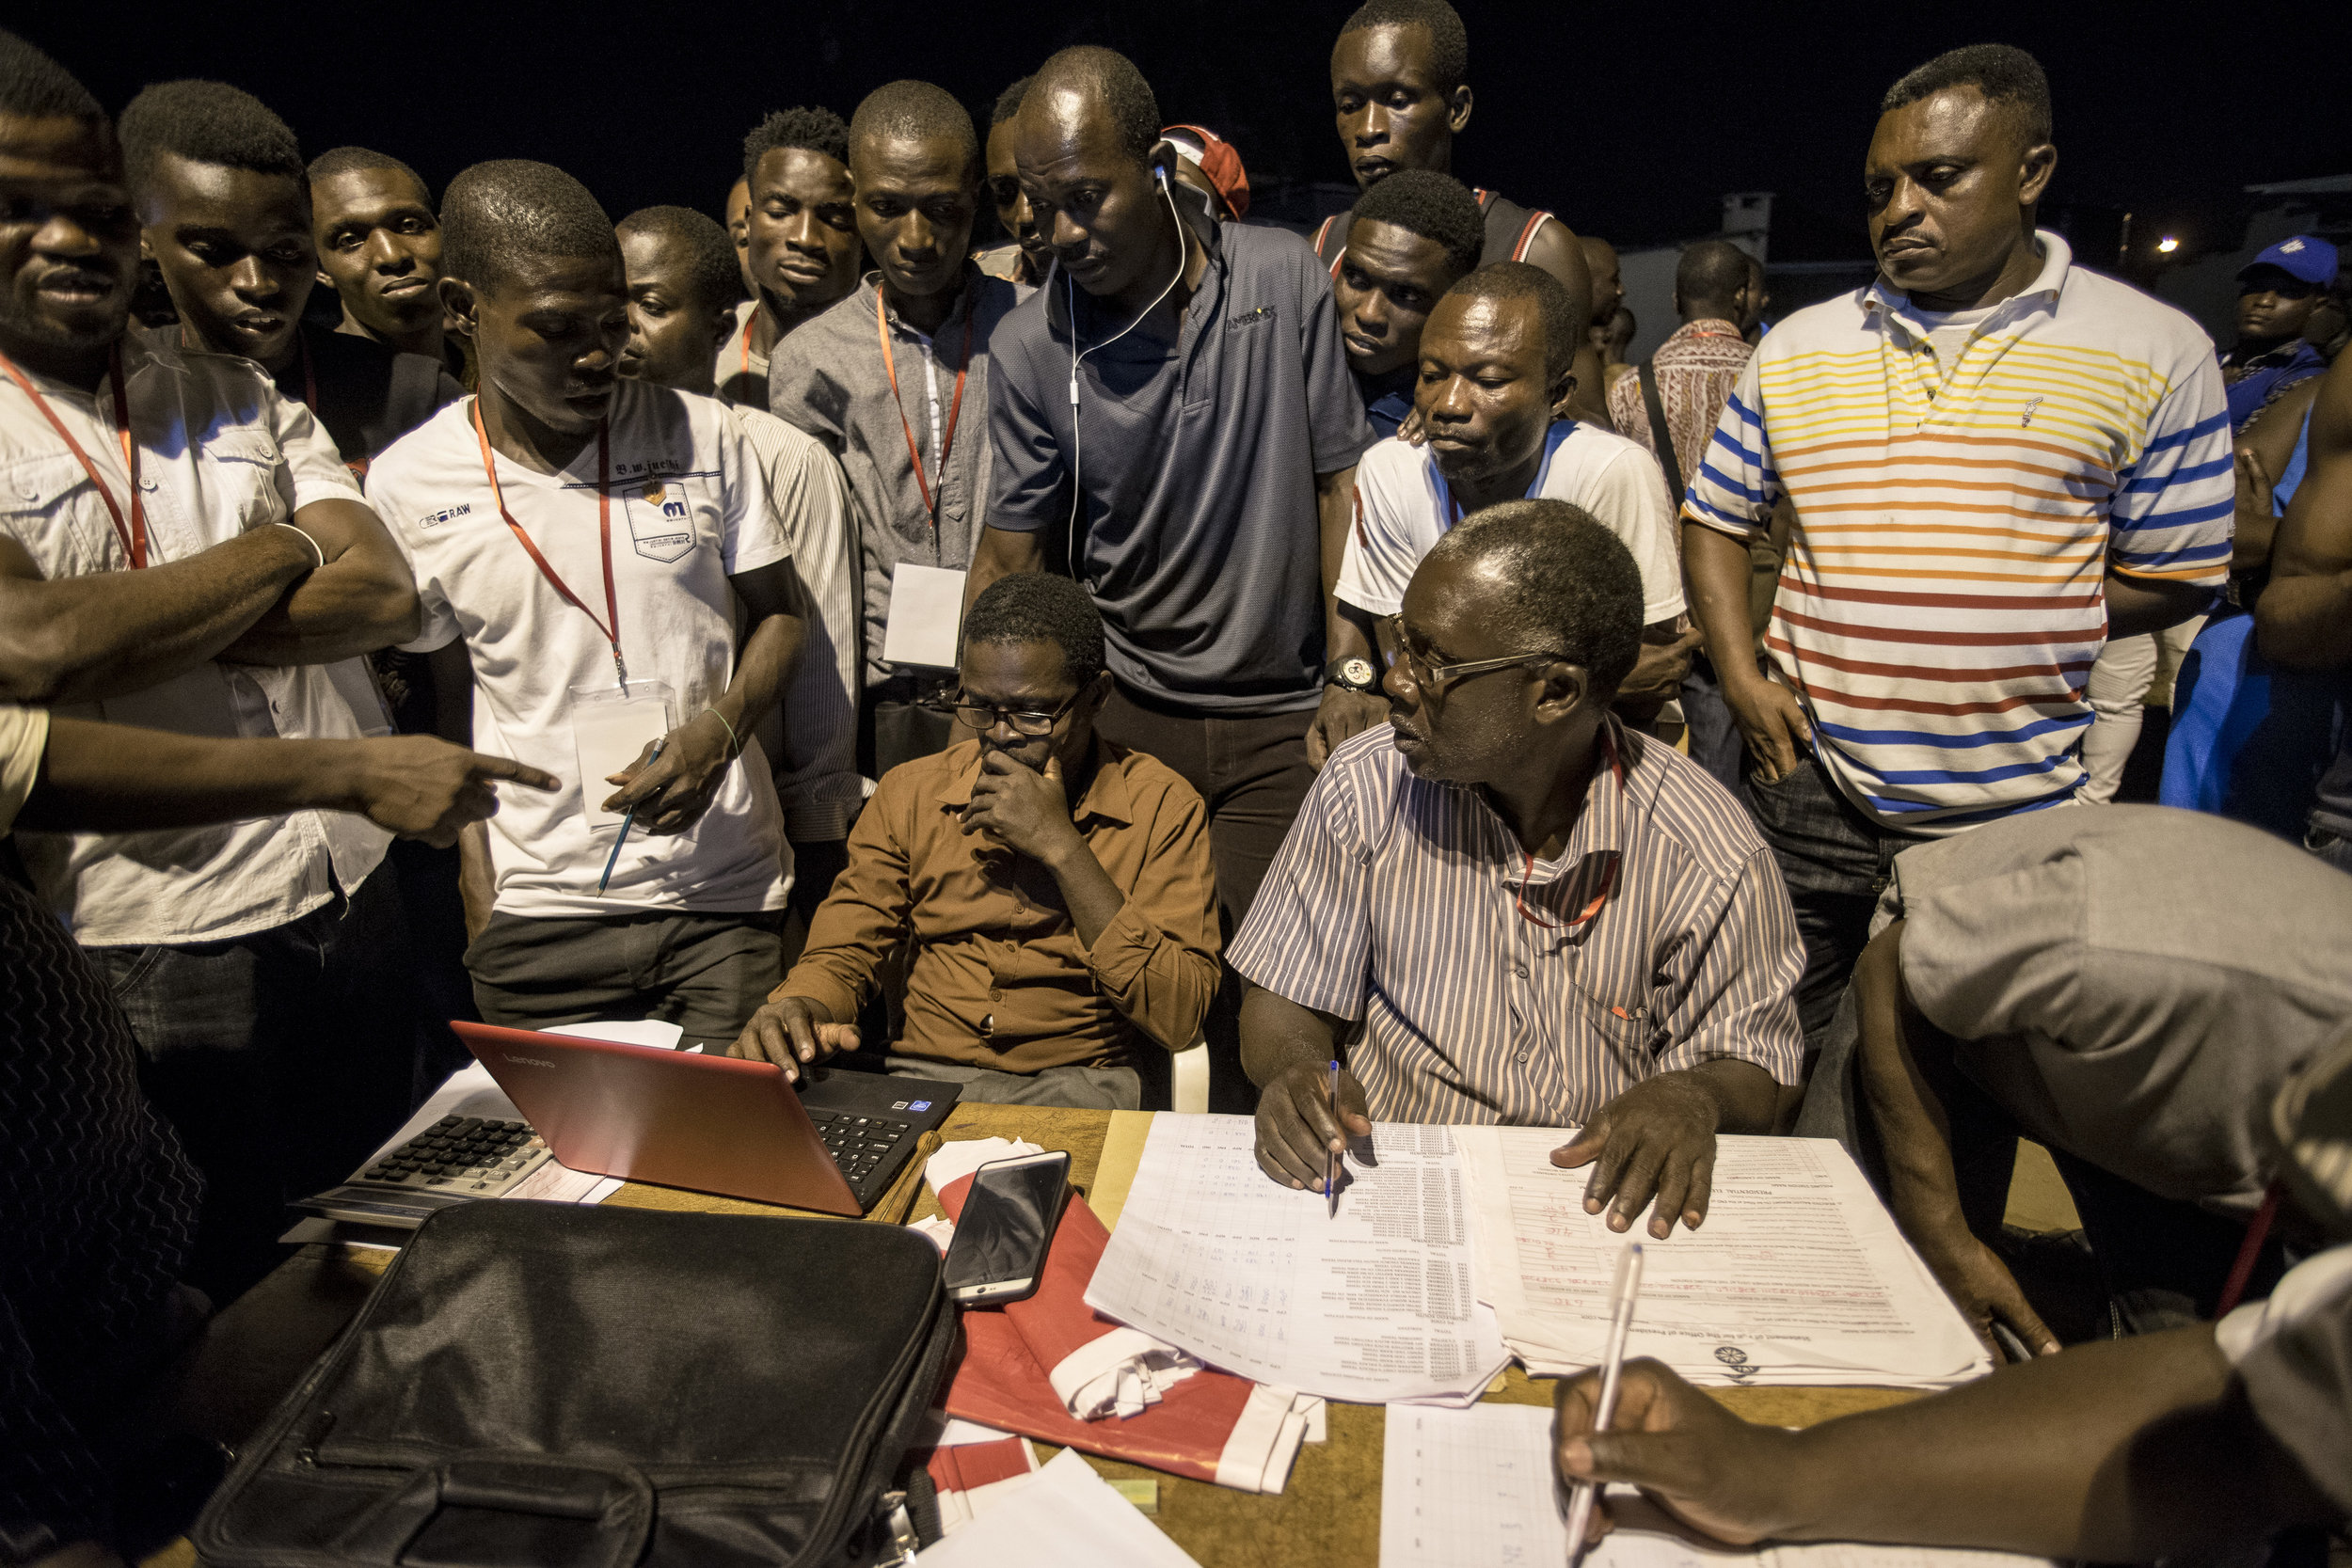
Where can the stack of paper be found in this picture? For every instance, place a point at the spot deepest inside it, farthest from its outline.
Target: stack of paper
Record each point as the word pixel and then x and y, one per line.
pixel 1376 1304
pixel 1798 1276
pixel 1475 1489
pixel 1063 1514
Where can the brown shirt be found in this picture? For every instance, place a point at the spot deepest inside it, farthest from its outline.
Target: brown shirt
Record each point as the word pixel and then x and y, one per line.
pixel 999 977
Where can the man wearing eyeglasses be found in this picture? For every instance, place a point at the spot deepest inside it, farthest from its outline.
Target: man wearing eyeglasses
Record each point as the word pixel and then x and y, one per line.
pixel 1056 889
pixel 1538 917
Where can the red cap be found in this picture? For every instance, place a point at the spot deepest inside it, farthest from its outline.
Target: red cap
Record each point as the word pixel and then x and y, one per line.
pixel 1218 160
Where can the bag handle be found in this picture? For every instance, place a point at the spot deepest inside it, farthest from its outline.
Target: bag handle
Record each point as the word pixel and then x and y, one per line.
pixel 614 1498
pixel 1659 432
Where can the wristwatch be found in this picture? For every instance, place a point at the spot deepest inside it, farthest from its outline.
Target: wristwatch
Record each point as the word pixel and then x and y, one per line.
pixel 1353 675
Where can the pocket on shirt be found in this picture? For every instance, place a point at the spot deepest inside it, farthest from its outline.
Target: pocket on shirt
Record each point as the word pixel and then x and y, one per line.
pixel 241 466
pixel 48 505
pixel 663 514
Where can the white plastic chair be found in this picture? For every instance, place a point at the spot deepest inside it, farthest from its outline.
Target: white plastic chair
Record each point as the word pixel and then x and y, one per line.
pixel 1188 1088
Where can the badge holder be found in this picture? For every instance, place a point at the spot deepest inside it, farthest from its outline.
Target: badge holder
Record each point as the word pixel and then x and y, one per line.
pixel 612 726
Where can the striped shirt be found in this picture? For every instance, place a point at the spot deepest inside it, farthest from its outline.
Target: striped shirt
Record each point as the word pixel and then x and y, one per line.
pixel 1943 599
pixel 1496 988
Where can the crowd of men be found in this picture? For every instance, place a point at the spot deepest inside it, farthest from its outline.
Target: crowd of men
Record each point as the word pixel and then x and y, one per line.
pixel 867 647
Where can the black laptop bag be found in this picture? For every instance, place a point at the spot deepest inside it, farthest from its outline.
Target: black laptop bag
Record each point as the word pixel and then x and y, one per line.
pixel 540 1386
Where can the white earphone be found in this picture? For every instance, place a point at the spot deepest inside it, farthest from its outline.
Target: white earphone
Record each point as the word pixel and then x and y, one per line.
pixel 1070 294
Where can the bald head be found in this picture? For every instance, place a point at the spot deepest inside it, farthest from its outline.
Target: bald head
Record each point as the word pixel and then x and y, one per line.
pixel 1092 85
pixel 1553 581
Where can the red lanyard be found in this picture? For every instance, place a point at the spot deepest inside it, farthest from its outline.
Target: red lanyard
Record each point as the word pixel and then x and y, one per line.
pixel 749 321
pixel 955 410
pixel 604 536
pixel 1608 878
pixel 133 537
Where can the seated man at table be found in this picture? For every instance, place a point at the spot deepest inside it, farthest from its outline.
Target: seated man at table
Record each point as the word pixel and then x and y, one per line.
pixel 1540 918
pixel 2030 982
pixel 2207 1444
pixel 1057 888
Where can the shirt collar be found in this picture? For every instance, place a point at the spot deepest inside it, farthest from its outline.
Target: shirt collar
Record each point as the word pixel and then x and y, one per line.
pixel 1705 326
pixel 1600 827
pixel 1883 301
pixel 1107 796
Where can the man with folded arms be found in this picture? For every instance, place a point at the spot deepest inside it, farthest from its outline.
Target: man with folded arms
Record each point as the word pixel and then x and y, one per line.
pixel 585 547
pixel 183 549
pixel 1057 888
pixel 1539 917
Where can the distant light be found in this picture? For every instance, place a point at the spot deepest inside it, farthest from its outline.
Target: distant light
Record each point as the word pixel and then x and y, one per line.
pixel 2167 244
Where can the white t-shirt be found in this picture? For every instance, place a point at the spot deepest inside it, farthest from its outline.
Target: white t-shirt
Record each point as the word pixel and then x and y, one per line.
pixel 219 453
pixel 530 648
pixel 1402 508
pixel 2294 1352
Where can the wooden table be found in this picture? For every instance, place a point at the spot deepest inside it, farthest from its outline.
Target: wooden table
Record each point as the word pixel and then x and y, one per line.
pixel 1330 1512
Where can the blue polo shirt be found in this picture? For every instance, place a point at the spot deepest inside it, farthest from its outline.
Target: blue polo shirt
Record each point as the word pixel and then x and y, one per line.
pixel 1194 464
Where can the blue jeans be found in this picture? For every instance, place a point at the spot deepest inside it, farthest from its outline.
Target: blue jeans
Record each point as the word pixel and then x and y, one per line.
pixel 282 1059
pixel 1716 743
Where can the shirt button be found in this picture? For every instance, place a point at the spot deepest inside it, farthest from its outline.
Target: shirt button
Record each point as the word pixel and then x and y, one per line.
pixel 1521 1057
pixel 1519 970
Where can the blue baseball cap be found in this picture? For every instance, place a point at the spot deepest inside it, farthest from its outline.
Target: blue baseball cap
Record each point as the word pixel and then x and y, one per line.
pixel 2299 256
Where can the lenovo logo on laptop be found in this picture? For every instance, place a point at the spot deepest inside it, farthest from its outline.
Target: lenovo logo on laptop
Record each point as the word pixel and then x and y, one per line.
pixel 526 1061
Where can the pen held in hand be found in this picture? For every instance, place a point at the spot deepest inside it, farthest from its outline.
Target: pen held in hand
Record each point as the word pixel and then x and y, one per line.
pixel 1330 1156
pixel 1623 1292
pixel 627 817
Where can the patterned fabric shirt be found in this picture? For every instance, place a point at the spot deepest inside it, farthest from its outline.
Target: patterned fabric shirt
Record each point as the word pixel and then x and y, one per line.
pixel 1496 988
pixel 97 1205
pixel 1696 369
pixel 1957 512
pixel 2256 381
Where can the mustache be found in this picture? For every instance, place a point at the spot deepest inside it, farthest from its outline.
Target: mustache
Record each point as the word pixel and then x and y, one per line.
pixel 84 275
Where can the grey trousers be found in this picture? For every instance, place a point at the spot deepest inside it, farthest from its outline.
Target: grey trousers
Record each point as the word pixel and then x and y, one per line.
pixel 1087 1088
pixel 705 973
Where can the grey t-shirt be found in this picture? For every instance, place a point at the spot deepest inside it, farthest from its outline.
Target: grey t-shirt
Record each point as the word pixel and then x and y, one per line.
pixel 1195 463
pixel 830 379
pixel 2119 997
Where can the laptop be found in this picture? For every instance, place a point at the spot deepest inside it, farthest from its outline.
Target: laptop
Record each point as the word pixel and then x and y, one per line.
pixel 677 1118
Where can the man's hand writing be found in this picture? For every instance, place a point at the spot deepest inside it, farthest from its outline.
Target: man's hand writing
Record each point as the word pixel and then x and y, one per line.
pixel 1027 811
pixel 1655 1139
pixel 789 1033
pixel 1297 1131
pixel 1707 1467
pixel 672 791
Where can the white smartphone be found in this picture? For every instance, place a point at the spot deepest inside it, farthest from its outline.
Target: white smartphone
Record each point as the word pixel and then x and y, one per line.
pixel 1006 1225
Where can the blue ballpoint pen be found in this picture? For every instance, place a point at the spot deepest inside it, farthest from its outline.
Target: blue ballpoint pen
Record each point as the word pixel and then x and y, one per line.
pixel 629 816
pixel 1331 1160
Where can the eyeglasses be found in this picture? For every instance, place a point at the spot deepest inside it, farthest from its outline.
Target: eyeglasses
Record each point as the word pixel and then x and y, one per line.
pixel 983 716
pixel 1434 679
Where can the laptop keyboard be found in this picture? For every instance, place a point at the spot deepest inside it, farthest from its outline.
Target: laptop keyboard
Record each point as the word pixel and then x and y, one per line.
pixel 468 1156
pixel 860 1145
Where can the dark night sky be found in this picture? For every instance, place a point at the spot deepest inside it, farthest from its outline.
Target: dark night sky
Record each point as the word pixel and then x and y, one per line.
pixel 1631 124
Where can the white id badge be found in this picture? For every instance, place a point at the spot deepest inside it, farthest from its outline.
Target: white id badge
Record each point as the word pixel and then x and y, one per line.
pixel 608 730
pixel 926 616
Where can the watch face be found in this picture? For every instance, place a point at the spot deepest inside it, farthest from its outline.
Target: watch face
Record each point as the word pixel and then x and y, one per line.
pixel 1357 673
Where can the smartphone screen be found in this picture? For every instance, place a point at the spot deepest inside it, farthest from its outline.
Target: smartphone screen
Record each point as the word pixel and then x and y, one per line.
pixel 1007 1222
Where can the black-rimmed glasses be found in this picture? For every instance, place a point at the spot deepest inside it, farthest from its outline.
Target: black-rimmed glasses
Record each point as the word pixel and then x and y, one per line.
pixel 983 716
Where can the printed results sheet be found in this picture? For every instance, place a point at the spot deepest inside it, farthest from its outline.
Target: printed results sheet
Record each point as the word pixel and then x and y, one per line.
pixel 1799 1275
pixel 1476 1488
pixel 1375 1305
